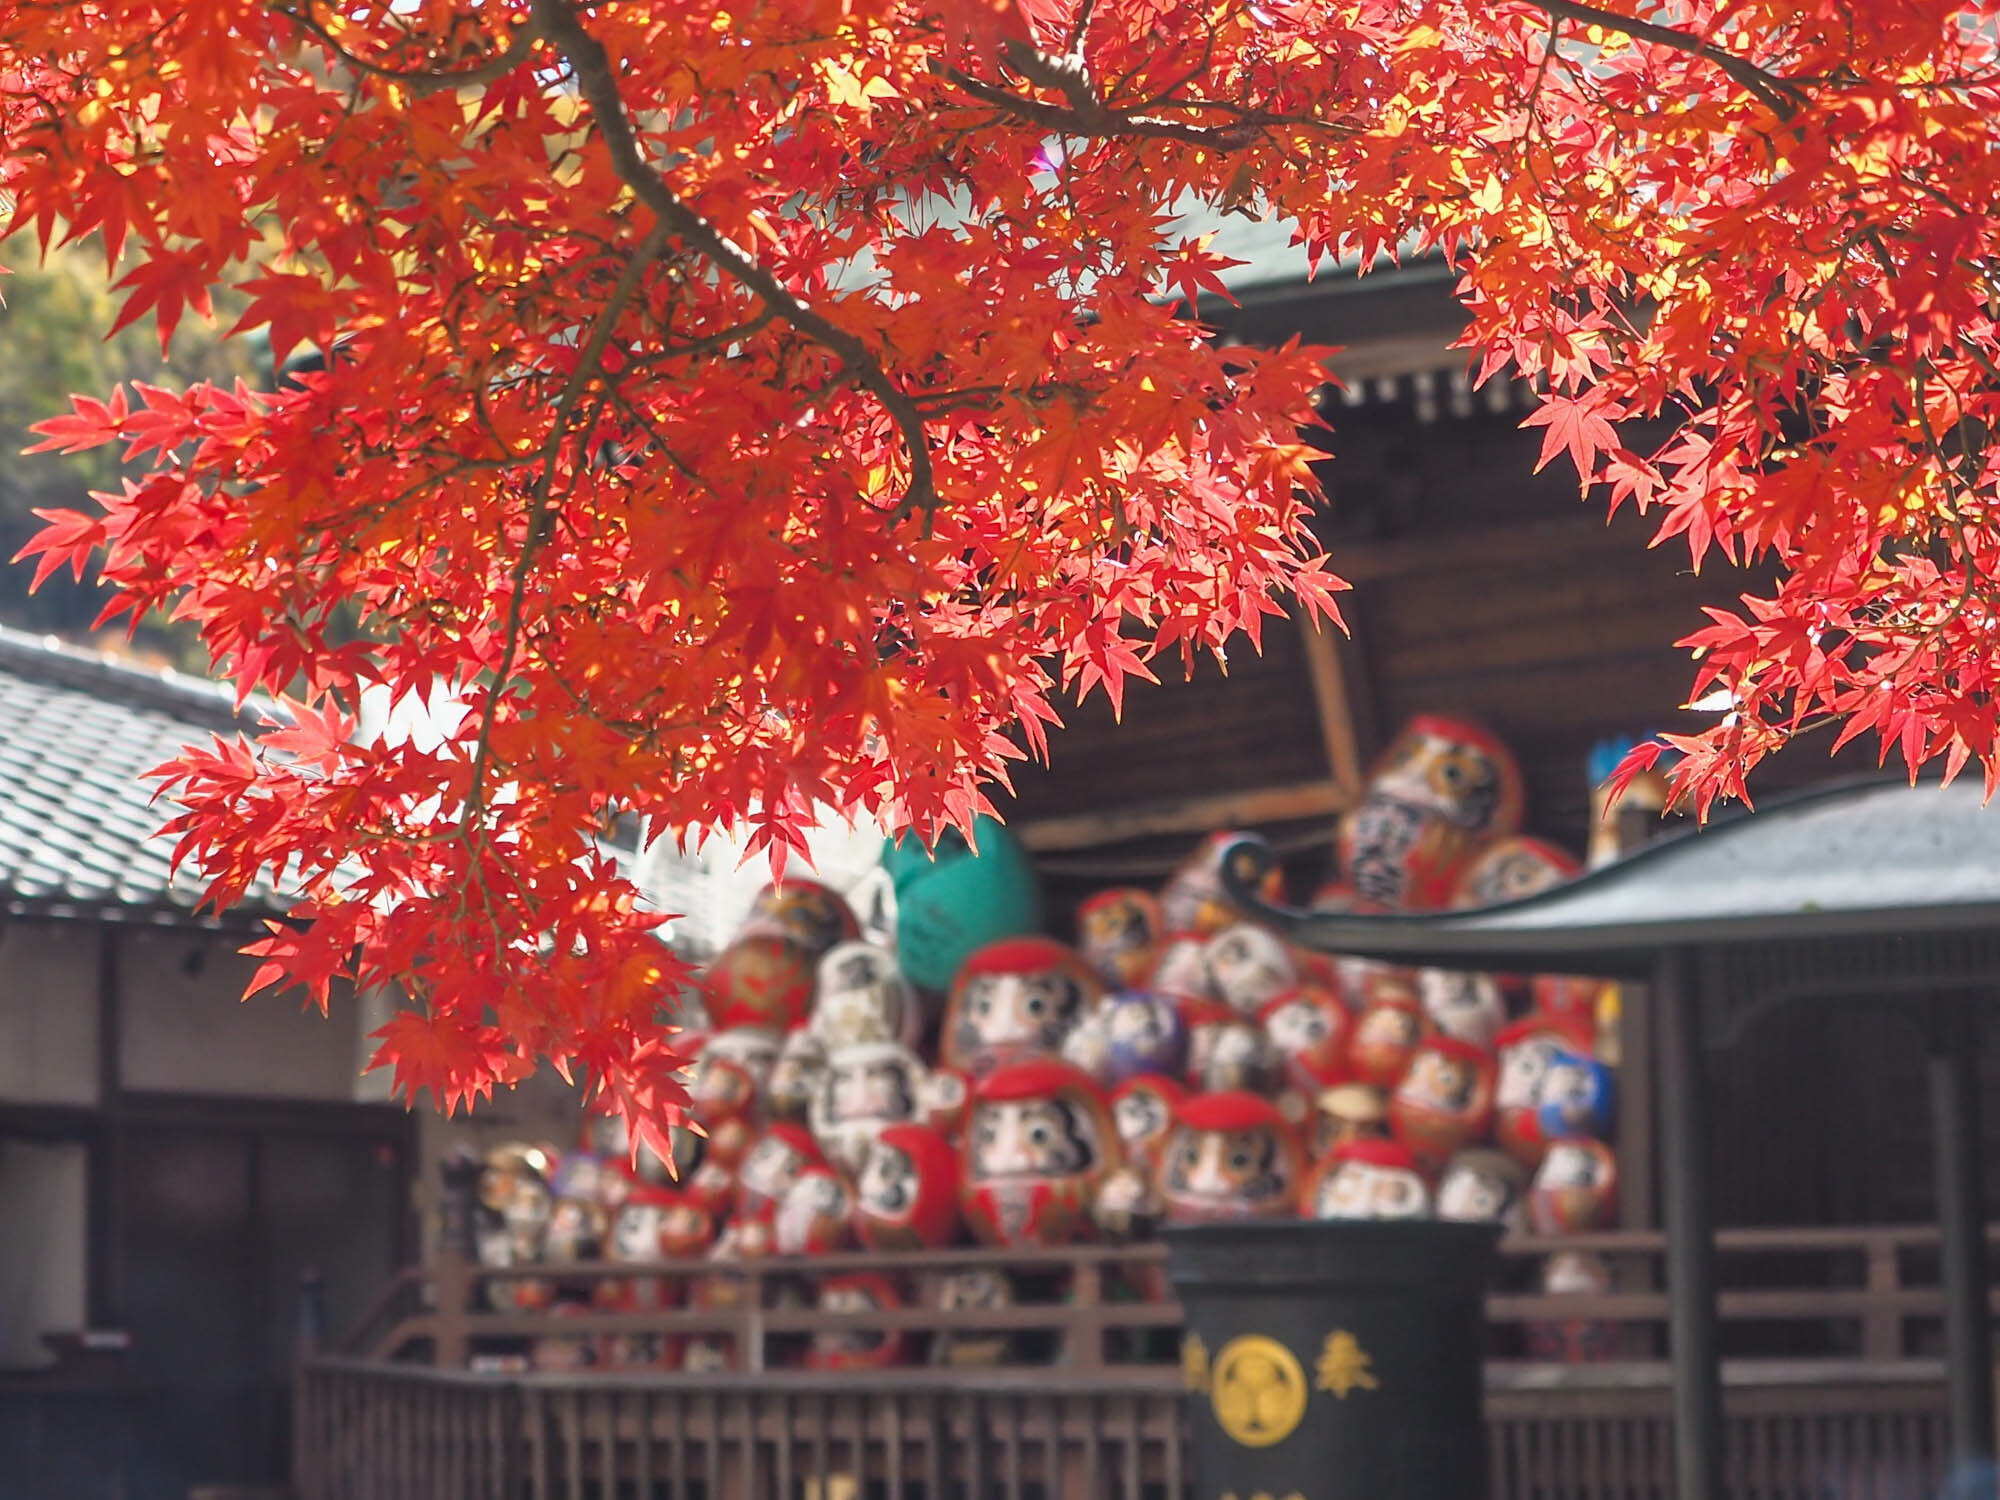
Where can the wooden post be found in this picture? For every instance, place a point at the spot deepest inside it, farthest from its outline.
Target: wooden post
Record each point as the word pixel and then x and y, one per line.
pixel 1690 1234
pixel 1335 703
pixel 308 1334
pixel 455 1257
pixel 1954 1087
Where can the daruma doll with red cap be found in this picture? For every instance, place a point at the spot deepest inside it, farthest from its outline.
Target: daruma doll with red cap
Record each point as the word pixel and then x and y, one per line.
pixel 1575 1188
pixel 765 982
pixel 861 1347
pixel 1526 1050
pixel 1038 1142
pixel 1230 1156
pixel 1195 899
pixel 805 913
pixel 906 1197
pixel 1388 1029
pixel 1367 1179
pixel 1443 787
pixel 773 1160
pixel 1307 1027
pixel 1444 1100
pixel 1014 1000
pixel 1118 931
pixel 1513 868
pixel 1143 1110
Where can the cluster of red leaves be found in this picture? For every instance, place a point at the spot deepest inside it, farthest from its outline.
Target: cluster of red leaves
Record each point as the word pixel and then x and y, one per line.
pixel 746 407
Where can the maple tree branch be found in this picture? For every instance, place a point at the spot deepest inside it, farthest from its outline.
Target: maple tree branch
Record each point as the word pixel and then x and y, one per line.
pixel 591 65
pixel 1783 97
pixel 1086 114
pixel 589 361
pixel 423 81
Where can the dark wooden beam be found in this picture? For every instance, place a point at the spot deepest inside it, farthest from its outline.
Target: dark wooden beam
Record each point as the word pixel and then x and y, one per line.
pixel 1251 808
pixel 1954 1088
pixel 1690 1231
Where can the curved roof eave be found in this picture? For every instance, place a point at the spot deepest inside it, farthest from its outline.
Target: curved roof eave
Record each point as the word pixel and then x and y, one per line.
pixel 1866 858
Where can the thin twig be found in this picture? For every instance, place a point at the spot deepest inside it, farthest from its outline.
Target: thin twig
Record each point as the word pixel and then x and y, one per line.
pixel 1783 96
pixel 424 81
pixel 599 86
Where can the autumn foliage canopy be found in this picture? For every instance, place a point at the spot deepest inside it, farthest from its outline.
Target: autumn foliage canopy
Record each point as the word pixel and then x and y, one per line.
pixel 740 405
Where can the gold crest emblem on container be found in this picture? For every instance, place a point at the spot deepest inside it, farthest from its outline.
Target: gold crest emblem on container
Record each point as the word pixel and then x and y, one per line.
pixel 1258 1390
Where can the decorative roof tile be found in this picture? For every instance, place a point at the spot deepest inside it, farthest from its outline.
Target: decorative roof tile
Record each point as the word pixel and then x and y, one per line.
pixel 78 820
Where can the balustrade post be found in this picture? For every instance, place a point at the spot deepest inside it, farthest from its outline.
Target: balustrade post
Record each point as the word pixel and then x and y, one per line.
pixel 1954 1087
pixel 1691 1311
pixel 1882 1326
pixel 451 1270
pixel 308 1335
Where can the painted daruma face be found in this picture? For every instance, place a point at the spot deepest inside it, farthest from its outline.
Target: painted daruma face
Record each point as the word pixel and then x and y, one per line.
pixel 857 1348
pixel 1014 1000
pixel 1117 931
pixel 1385 1038
pixel 863 997
pixel 1442 787
pixel 1039 1140
pixel 812 1217
pixel 1483 1186
pixel 1444 1101
pixel 1527 1048
pixel 1195 899
pixel 759 981
pixel 1575 1188
pixel 907 1195
pixel 1249 967
pixel 1353 1188
pixel 794 1076
pixel 1575 1097
pixel 1142 1033
pixel 1143 1110
pixel 1467 1006
pixel 769 1167
pixel 865 1089
pixel 1510 869
pixel 1307 1027
pixel 1231 1156
pixel 812 916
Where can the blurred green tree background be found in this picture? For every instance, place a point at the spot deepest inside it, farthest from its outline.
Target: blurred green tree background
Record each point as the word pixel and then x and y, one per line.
pixel 53 342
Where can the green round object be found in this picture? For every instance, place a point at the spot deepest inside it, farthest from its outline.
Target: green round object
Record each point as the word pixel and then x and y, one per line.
pixel 951 901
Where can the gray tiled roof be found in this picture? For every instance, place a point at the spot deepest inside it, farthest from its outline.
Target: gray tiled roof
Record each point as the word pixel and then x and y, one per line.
pixel 77 817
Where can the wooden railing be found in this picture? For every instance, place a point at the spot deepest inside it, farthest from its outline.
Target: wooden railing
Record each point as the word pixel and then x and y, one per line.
pixel 370 1431
pixel 1866 1294
pixel 1855 1412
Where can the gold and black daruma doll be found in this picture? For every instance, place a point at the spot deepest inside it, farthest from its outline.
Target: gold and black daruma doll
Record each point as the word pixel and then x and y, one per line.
pixel 1335 1360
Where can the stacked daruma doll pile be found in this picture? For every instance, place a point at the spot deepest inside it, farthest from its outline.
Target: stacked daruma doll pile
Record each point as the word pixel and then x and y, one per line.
pixel 1178 1063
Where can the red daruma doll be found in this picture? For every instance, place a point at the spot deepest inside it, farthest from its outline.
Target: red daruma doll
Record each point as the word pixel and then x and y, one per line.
pixel 1308 1027
pixel 1118 931
pixel 1388 1030
pixel 860 1348
pixel 1575 1188
pixel 906 1197
pixel 1367 1179
pixel 1195 899
pixel 1441 789
pixel 1444 1100
pixel 1013 1000
pixel 773 1161
pixel 1230 1156
pixel 1143 1109
pixel 1038 1142
pixel 1526 1049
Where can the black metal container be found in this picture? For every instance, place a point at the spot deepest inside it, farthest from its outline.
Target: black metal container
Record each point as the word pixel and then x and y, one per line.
pixel 1335 1360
